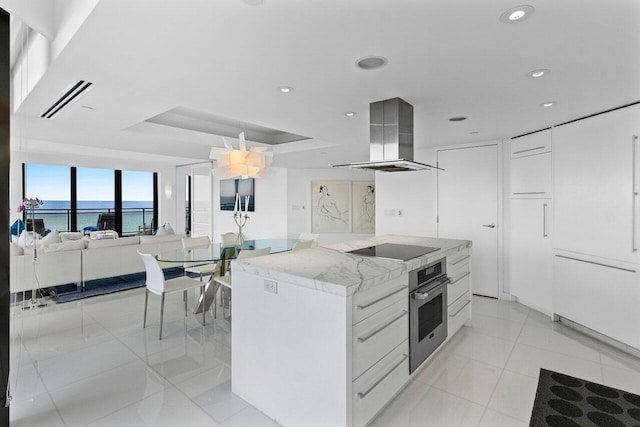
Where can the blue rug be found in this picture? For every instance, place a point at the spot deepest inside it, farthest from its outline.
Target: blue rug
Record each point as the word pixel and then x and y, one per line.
pixel 92 288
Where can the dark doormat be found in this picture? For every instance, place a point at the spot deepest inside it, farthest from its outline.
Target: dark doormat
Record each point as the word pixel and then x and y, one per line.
pixel 566 401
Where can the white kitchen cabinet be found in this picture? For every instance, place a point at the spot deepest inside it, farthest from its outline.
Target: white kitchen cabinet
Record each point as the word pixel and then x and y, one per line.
pixel 535 143
pixel 595 169
pixel 531 176
pixel 600 294
pixel 333 352
pixel 459 289
pixel 531 249
pixel 377 335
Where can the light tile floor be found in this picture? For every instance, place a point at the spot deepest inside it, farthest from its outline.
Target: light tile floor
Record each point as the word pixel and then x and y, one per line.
pixel 90 363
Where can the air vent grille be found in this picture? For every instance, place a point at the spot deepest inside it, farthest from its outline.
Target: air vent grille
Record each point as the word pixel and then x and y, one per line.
pixel 71 93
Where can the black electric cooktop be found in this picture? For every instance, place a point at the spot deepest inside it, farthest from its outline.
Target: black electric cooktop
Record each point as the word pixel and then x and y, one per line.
pixel 394 251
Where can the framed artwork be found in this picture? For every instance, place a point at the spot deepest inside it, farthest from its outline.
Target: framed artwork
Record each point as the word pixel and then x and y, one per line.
pixel 363 203
pixel 331 206
pixel 228 190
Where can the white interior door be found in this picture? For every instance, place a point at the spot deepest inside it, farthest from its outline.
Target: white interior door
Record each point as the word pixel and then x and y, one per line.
pixel 468 208
pixel 202 201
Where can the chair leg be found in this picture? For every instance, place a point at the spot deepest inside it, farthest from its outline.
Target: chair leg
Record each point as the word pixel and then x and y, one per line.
pixel 203 306
pixel 146 301
pixel 161 314
pixel 215 298
pixel 184 297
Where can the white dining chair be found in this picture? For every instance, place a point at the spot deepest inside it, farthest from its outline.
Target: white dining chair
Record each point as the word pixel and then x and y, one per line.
pixel 202 269
pixel 229 239
pixel 226 279
pixel 310 236
pixel 302 244
pixel 158 285
pixel 198 267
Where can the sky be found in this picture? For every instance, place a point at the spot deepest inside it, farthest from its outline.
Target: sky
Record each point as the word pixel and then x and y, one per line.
pixel 52 182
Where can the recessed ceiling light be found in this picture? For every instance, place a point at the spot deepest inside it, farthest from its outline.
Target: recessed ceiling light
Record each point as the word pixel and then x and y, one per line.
pixel 457 119
pixel 371 62
pixel 548 104
pixel 516 14
pixel 350 113
pixel 538 73
pixel 285 89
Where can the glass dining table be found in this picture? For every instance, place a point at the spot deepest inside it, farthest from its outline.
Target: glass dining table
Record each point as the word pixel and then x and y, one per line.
pixel 217 252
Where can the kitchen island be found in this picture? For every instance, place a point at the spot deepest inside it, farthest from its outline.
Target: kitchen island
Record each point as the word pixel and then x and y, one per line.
pixel 299 318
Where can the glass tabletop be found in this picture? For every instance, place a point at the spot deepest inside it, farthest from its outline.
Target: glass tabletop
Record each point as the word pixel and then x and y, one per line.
pixel 216 251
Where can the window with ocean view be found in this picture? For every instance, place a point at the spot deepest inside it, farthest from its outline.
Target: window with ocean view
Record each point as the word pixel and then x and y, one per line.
pixel 52 184
pixel 96 195
pixel 76 197
pixel 137 201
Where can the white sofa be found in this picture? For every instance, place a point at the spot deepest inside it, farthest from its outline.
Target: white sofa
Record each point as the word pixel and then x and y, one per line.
pixel 64 263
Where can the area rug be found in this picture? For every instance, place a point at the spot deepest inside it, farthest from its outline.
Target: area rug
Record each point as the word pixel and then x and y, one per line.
pixel 92 288
pixel 563 400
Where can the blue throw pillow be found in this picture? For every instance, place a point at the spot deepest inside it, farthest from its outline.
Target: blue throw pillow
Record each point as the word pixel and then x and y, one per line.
pixel 17 227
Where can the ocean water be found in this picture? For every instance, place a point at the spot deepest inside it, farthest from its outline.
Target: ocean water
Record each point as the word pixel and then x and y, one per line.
pixel 55 214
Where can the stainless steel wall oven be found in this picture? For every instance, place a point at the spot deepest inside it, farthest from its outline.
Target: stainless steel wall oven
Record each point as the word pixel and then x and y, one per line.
pixel 427 310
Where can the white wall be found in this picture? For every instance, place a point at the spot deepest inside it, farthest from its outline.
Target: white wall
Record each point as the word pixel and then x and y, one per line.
pixel 406 202
pixel 68 16
pixel 166 177
pixel 31 64
pixel 298 202
pixel 270 216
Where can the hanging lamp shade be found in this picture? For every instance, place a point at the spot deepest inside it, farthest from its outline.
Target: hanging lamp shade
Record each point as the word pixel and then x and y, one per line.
pixel 242 162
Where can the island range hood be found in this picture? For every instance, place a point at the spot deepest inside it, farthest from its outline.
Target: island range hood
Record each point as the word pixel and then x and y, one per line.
pixel 391 138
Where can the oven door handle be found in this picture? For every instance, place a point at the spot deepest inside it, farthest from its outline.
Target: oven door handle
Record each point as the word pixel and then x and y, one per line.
pixel 420 295
pixel 425 295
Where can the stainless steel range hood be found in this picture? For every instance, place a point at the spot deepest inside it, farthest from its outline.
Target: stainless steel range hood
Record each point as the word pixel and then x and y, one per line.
pixel 391 138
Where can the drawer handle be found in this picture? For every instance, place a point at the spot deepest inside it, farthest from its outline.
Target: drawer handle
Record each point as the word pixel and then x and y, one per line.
pixel 528 149
pixel 531 192
pixel 460 309
pixel 363 394
pixel 369 304
pixel 381 328
pixel 460 277
pixel 459 260
pixel 596 263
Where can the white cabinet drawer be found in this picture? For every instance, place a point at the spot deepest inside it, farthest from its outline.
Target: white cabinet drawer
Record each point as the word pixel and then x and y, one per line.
pixel 373 390
pixel 377 335
pixel 367 303
pixel 600 294
pixel 458 263
pixel 458 286
pixel 536 143
pixel 531 176
pixel 459 312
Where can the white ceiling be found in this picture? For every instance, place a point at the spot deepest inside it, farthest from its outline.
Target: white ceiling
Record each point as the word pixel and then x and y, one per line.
pixel 227 58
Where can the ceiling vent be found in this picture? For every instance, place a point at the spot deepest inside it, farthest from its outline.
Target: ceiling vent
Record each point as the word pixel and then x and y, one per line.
pixel 68 96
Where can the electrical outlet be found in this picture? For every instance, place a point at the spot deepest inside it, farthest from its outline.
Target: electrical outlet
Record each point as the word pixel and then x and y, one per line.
pixel 271 286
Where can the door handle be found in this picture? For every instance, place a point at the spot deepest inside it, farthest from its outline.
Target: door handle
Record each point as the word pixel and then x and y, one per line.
pixel 544 220
pixel 489 225
pixel 420 295
pixel 634 193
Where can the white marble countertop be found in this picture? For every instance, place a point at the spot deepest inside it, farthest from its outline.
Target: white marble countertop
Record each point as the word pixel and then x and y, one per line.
pixel 330 269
